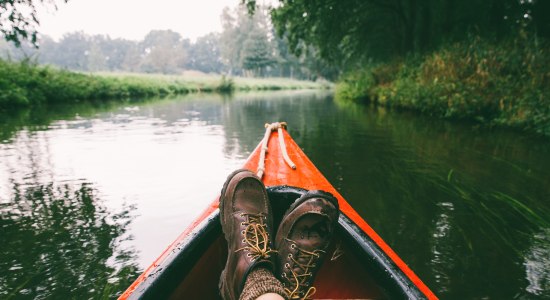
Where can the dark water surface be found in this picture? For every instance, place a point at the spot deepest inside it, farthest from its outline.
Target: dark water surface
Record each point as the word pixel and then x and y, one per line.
pixel 89 195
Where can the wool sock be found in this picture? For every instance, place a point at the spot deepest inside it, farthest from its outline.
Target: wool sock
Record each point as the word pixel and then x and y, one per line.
pixel 261 281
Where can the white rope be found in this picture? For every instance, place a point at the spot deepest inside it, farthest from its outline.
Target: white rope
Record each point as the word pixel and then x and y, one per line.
pixel 279 126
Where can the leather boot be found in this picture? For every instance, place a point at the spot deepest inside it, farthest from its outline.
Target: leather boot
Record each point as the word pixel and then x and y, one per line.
pixel 245 215
pixel 302 240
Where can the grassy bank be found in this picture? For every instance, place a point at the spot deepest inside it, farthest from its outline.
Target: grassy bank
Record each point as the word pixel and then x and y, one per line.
pixel 505 83
pixel 25 84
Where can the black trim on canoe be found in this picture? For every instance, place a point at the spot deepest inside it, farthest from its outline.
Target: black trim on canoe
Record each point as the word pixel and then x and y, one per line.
pixel 176 266
pixel 396 284
pixel 166 277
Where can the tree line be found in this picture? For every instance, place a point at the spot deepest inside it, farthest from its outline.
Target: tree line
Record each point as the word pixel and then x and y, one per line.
pixel 248 46
pixel 350 32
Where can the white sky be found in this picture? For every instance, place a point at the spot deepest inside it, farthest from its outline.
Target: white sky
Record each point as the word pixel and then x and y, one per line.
pixel 133 19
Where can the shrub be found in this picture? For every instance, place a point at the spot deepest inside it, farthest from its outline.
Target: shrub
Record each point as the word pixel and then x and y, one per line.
pixel 226 85
pixel 506 83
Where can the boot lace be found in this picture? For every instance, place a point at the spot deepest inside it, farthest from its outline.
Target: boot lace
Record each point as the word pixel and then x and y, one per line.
pixel 255 237
pixel 299 282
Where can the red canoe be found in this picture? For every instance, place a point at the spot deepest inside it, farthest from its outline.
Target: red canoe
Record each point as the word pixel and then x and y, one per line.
pixel 361 266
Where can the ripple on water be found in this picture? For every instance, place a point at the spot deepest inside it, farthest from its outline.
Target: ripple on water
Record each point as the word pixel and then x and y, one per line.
pixel 537 264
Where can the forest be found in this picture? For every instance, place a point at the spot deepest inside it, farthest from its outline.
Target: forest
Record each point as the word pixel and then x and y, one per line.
pixel 483 61
pixel 246 47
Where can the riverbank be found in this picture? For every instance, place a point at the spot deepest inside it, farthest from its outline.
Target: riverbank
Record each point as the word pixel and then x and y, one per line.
pixel 24 84
pixel 505 83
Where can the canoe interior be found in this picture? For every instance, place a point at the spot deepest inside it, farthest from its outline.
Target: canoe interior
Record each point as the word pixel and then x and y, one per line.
pixel 362 271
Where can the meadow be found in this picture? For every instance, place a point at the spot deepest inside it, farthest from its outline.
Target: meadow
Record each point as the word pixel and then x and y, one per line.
pixel 26 84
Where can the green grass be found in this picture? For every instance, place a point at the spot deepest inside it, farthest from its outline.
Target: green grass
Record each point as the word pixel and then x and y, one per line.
pixel 200 82
pixel 505 83
pixel 25 84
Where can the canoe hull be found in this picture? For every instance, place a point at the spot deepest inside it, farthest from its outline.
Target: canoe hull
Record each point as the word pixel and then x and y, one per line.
pixel 367 267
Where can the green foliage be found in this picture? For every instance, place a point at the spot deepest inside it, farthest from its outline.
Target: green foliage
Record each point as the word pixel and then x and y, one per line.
pixel 29 84
pixel 355 85
pixel 227 85
pixel 204 55
pixel 163 52
pixel 256 54
pixel 506 83
pixel 18 20
pixel 24 84
pixel 349 33
pixel 249 46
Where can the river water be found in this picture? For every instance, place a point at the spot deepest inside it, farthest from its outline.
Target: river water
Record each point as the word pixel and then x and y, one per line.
pixel 91 194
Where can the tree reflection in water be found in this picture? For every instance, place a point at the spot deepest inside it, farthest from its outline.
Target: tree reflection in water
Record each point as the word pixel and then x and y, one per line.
pixel 60 241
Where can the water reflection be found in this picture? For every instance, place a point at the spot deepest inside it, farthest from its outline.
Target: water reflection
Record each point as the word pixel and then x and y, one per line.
pixel 441 266
pixel 60 240
pixel 537 265
pixel 461 204
pixel 466 207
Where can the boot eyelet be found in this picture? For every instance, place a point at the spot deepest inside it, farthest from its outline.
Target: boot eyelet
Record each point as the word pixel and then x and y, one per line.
pixel 290 256
pixel 243 241
pixel 242 223
pixel 292 246
pixel 248 255
pixel 243 232
pixel 287 266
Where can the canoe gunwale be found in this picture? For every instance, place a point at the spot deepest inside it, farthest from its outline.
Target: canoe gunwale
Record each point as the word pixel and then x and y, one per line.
pixel 391 278
pixel 399 281
pixel 396 283
pixel 180 261
pixel 160 283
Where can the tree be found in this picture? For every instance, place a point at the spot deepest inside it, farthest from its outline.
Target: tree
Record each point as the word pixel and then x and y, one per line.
pixel 232 38
pixel 256 53
pixel 348 33
pixel 132 59
pixel 18 19
pixel 96 59
pixel 541 11
pixel 76 48
pixel 163 52
pixel 204 54
pixel 115 51
pixel 246 43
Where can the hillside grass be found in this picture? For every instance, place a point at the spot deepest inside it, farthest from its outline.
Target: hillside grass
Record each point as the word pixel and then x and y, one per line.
pixel 25 84
pixel 504 84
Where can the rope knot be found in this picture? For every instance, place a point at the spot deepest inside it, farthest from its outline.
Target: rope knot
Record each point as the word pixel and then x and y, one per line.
pixel 279 126
pixel 276 125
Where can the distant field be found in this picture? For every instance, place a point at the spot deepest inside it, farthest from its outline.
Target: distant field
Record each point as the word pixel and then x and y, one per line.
pixel 25 84
pixel 197 81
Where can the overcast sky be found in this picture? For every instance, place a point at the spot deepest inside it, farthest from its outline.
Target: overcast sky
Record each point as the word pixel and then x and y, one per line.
pixel 133 19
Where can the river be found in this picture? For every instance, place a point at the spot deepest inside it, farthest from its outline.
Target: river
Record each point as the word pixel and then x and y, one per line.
pixel 91 194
